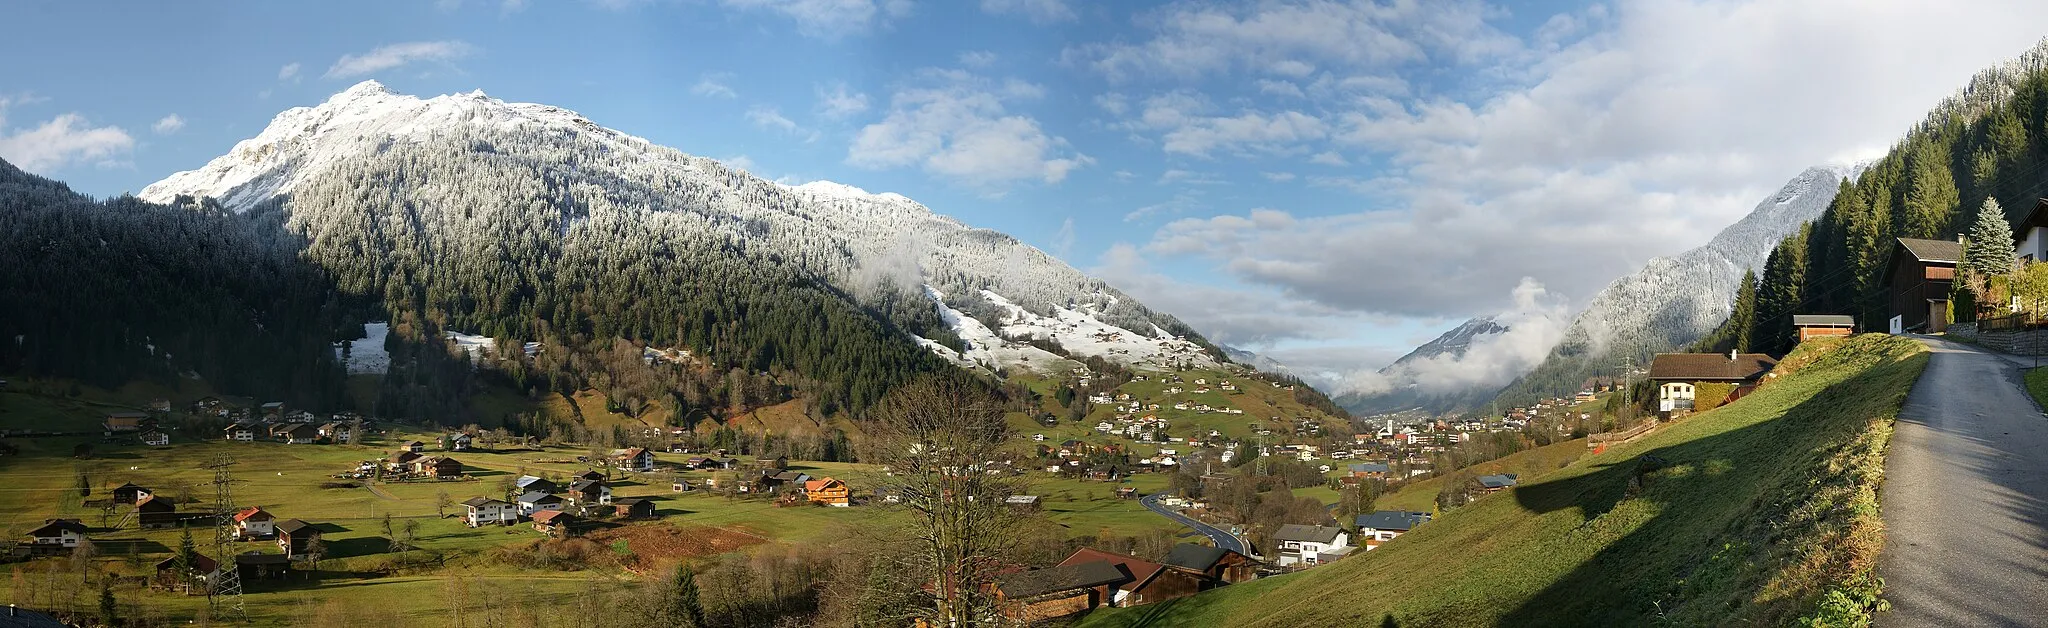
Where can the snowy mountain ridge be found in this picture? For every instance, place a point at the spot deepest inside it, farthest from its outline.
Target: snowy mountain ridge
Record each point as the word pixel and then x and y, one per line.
pixel 871 245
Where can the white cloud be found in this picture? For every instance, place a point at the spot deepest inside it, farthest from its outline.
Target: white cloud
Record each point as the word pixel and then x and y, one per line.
pixel 1329 158
pixel 63 141
pixel 1535 321
pixel 1613 135
pixel 839 102
pixel 1181 203
pixel 830 19
pixel 977 59
pixel 1292 38
pixel 959 126
pixel 712 85
pixel 168 124
pixel 290 71
pixel 1038 11
pixel 1244 317
pixel 1278 177
pixel 741 162
pixel 1189 177
pixel 769 118
pixel 1063 240
pixel 397 55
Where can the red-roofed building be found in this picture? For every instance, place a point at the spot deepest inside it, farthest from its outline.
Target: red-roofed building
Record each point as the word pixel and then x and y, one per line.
pixel 1149 581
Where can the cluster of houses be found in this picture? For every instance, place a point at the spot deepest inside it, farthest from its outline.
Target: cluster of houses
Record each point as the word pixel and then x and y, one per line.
pixel 1091 578
pixel 556 509
pixel 1302 546
pixel 411 461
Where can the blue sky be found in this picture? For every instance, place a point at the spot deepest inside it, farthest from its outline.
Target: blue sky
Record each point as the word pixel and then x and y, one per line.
pixel 1329 181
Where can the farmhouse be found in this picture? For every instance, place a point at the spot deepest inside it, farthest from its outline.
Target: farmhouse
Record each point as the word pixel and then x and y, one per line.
pixel 1677 376
pixel 585 492
pixel 129 493
pixel 259 566
pixel 534 502
pixel 534 484
pixel 168 574
pixel 486 511
pixel 636 459
pixel 156 512
pixel 299 434
pixel 1812 326
pixel 828 491
pixel 772 462
pixel 1310 545
pixel 58 533
pixel 1034 596
pixel 1146 582
pixel 336 432
pixel 117 422
pixel 1382 526
pixel 1369 470
pixel 413 446
pixel 1496 483
pixel 239 431
pixel 1919 273
pixel 553 522
pixel 1217 566
pixel 633 508
pixel 254 523
pixel 294 537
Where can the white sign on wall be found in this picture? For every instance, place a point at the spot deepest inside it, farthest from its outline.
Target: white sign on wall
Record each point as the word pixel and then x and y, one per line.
pixel 1898 325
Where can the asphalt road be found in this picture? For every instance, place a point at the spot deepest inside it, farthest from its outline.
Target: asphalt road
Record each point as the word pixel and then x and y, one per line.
pixel 1965 497
pixel 1221 537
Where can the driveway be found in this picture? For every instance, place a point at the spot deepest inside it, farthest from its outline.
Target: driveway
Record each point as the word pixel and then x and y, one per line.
pixel 1221 537
pixel 1965 497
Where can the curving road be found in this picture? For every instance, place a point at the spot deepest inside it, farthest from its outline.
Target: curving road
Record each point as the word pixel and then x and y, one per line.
pixel 1221 537
pixel 1965 496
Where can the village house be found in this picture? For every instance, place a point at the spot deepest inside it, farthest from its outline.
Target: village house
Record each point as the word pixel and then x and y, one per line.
pixel 155 438
pixel 168 576
pixel 1034 596
pixel 155 512
pixel 1496 483
pixel 633 508
pixel 590 475
pixel 260 566
pixel 828 491
pixel 534 484
pixel 1310 545
pixel 239 431
pixel 681 486
pixel 1216 566
pixel 585 493
pixel 637 459
pixel 272 410
pixel 336 432
pixel 1677 376
pixel 295 538
pixel 1810 326
pixel 553 522
pixel 1374 470
pixel 129 493
pixel 438 467
pixel 678 448
pixel 119 422
pixel 534 502
pixel 300 434
pixel 58 533
pixel 1382 526
pixel 458 441
pixel 486 511
pixel 1023 503
pixel 1920 272
pixel 1146 582
pixel 254 523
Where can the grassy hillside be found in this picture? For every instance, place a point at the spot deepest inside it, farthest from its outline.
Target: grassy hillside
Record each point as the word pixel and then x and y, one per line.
pixel 1756 512
pixel 1527 465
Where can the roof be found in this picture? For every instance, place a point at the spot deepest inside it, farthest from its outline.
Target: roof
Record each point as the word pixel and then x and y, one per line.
pixel 815 485
pixel 290 526
pixel 151 503
pixel 1823 320
pixel 633 453
pixel 129 485
pixel 553 516
pixel 126 414
pixel 1503 480
pixel 255 513
pixel 53 527
pixel 631 501
pixel 1196 557
pixel 412 443
pixel 200 563
pixel 525 480
pixel 538 497
pixel 480 502
pixel 1369 467
pixel 1710 366
pixel 1021 499
pixel 1062 578
pixel 1140 571
pixel 1400 520
pixel 1312 534
pixel 581 486
pixel 1941 251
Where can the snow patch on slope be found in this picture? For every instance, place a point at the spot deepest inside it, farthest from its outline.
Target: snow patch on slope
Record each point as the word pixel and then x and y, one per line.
pixel 985 348
pixel 1081 331
pixel 366 355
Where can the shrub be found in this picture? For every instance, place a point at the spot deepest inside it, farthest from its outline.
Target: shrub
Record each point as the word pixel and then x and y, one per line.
pixel 1708 395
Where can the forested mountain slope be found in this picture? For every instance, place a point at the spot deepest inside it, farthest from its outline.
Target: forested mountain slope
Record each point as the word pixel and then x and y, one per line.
pixel 1673 301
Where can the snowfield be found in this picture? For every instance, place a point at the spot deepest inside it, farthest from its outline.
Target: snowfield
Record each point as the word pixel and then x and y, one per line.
pixel 366 355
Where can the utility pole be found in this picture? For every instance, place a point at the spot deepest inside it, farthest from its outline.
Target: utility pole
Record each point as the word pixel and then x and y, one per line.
pixel 1628 367
pixel 224 596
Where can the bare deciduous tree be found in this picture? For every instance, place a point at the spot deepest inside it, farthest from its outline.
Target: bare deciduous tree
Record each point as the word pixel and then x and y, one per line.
pixel 941 444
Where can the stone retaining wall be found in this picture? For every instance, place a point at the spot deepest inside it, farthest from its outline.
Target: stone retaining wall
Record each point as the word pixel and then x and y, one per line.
pixel 2016 342
pixel 1966 331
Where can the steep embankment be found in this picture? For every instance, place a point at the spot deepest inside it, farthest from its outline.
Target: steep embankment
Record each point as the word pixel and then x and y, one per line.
pixel 1747 515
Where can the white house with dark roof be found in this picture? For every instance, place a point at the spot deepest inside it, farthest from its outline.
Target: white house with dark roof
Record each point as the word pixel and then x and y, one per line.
pixel 1308 545
pixel 1382 526
pixel 486 511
